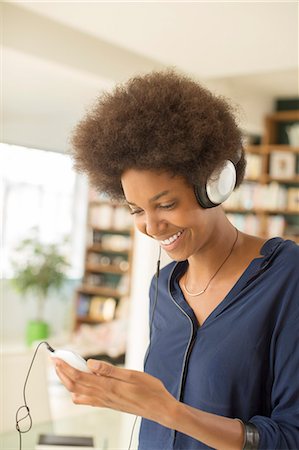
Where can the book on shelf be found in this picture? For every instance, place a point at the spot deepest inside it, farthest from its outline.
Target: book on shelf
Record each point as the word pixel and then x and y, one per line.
pixel 293 199
pixel 116 242
pixel 275 225
pixel 83 305
pixel 276 197
pixel 95 279
pixel 122 219
pixel 248 223
pixel 102 308
pixel 101 216
pixel 107 217
pixel 253 166
pixel 251 195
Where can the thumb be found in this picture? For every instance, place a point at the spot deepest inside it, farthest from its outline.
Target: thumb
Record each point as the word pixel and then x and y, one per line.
pixel 98 366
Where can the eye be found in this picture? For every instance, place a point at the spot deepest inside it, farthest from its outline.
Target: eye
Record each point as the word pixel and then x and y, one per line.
pixel 167 206
pixel 136 211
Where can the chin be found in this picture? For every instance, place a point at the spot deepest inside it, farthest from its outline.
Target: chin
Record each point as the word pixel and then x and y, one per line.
pixel 177 256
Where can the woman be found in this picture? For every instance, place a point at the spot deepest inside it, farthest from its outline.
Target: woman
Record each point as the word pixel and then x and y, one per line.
pixel 222 368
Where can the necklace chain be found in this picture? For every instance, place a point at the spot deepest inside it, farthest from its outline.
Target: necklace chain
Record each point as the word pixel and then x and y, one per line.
pixel 209 282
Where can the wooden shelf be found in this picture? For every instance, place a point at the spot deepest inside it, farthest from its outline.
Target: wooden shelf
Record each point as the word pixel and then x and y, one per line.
pixel 104 280
pixel 122 231
pixel 266 220
pixel 283 212
pixel 99 268
pixel 256 149
pixel 98 248
pixel 88 319
pixel 252 179
pixel 283 116
pixel 272 122
pixel 265 149
pixel 261 211
pixel 294 180
pixel 282 148
pixel 99 290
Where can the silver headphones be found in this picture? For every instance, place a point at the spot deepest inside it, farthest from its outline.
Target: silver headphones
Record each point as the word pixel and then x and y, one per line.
pixel 218 187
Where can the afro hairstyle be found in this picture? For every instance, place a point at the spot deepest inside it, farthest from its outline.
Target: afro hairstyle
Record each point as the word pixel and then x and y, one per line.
pixel 161 121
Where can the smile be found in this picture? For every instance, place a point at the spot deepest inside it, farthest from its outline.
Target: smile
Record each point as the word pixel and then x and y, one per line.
pixel 171 239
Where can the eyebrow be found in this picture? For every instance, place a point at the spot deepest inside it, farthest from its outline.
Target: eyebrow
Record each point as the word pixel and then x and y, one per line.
pixel 154 198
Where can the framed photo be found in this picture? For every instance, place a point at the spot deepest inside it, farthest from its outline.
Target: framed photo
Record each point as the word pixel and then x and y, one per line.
pixel 102 308
pixel 282 164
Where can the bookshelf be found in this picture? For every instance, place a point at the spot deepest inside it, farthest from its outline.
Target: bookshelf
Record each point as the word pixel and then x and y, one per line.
pixel 267 203
pixel 105 286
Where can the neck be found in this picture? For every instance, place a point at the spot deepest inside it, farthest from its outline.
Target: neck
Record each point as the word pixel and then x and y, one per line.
pixel 218 244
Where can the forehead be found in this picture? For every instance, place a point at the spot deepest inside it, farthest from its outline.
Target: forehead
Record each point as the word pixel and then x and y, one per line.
pixel 146 184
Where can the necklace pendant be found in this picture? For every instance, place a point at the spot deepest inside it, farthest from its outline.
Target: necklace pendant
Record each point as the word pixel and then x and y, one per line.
pixel 201 292
pixel 197 293
pixel 194 294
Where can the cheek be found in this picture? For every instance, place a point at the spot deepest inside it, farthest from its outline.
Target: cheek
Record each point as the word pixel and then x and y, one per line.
pixel 139 224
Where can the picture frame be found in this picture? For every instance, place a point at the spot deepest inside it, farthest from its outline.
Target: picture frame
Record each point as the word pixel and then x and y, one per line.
pixel 282 165
pixel 102 308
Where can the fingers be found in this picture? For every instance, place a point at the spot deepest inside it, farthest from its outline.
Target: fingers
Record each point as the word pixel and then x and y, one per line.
pixel 87 389
pixel 113 387
pixel 107 370
pixel 99 368
pixel 71 377
pixel 84 383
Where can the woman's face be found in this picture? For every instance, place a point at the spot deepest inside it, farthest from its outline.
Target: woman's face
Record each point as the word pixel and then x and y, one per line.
pixel 165 208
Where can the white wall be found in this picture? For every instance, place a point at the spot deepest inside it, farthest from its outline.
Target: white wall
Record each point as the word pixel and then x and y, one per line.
pixel 56 59
pixel 145 257
pixel 251 105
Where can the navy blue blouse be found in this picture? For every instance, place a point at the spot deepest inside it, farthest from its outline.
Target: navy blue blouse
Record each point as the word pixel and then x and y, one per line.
pixel 243 362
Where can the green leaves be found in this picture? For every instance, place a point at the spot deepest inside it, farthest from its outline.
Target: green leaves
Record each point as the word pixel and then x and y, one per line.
pixel 39 267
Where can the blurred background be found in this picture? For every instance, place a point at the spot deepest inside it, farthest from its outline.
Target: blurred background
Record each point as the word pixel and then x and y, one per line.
pixel 73 270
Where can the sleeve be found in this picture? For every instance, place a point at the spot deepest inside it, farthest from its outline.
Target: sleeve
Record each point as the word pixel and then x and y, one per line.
pixel 281 429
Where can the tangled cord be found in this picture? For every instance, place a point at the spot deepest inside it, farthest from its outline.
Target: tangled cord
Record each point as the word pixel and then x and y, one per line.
pixel 26 407
pixel 24 410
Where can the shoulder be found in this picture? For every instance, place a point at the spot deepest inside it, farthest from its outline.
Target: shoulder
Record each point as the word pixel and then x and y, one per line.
pixel 283 262
pixel 288 254
pixel 292 248
pixel 282 256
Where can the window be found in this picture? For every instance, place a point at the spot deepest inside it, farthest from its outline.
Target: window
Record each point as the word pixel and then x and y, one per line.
pixel 39 189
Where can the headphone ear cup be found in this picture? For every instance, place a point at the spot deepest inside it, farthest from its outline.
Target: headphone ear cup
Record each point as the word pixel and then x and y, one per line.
pixel 202 197
pixel 218 188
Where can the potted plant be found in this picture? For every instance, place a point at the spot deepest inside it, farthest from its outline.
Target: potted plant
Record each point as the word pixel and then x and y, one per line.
pixel 38 269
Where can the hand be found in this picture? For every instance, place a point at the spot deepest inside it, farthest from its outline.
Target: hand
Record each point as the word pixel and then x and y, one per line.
pixel 121 389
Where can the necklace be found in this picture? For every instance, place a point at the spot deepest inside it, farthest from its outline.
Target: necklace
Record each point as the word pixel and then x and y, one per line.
pixel 209 282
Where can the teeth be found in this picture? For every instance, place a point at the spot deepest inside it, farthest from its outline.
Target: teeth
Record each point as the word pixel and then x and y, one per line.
pixel 171 239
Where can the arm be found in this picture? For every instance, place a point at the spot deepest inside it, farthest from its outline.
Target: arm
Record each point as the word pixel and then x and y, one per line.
pixel 281 429
pixel 143 395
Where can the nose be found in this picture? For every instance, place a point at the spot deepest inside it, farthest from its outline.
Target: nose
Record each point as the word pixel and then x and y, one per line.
pixel 153 225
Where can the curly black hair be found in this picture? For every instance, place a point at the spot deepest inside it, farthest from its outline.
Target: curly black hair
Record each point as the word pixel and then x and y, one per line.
pixel 162 121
